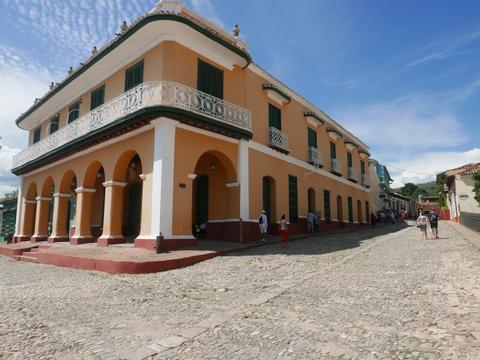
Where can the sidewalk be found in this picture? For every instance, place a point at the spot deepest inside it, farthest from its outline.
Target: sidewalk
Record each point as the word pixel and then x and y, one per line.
pixel 472 236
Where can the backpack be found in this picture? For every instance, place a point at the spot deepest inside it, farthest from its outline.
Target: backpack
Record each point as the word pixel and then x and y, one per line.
pixel 260 220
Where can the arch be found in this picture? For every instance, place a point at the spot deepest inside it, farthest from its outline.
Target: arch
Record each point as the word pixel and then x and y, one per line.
pixel 269 198
pixel 31 193
pixel 68 182
pixel 133 198
pixel 224 160
pixel 66 220
pixel 91 174
pixel 48 187
pixel 339 209
pixel 359 212
pixel 311 200
pixel 123 163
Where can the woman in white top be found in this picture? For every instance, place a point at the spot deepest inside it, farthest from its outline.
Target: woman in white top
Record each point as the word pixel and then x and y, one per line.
pixel 422 224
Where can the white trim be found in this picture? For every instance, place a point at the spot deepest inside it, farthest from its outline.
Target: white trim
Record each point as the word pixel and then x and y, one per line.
pixel 243 177
pixel 308 105
pixel 294 161
pixel 232 184
pixel 312 121
pixel 276 97
pixel 61 195
pixel 19 206
pixel 40 198
pixel 91 149
pixel 114 183
pixel 223 220
pixel 192 176
pixel 163 170
pixel 334 135
pixel 84 190
pixel 207 133
pixel 143 177
pixel 172 237
pixel 351 147
pixel 25 201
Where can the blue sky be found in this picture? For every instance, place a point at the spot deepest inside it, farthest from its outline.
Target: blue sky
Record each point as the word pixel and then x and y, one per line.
pixel 402 75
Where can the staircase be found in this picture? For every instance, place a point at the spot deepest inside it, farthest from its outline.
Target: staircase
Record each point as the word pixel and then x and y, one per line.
pixel 29 255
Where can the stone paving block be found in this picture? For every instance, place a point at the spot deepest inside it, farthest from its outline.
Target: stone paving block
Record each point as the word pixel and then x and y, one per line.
pixel 192 332
pixel 262 299
pixel 212 321
pixel 171 341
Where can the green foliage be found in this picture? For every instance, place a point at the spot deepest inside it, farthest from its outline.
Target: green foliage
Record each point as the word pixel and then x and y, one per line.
pixel 476 187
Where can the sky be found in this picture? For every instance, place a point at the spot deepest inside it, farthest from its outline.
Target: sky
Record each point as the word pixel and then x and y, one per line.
pixel 403 76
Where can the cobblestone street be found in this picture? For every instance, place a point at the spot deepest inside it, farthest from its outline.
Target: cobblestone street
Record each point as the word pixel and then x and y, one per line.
pixel 370 294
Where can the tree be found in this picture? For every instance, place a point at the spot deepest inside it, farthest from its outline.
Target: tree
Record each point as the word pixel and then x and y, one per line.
pixel 408 189
pixel 476 187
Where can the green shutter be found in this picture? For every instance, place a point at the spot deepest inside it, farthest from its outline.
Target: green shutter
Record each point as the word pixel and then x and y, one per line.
pixel 326 205
pixel 36 134
pixel 350 209
pixel 209 79
pixel 333 150
pixel 134 76
pixel 292 199
pixel 54 124
pixel 97 97
pixel 73 112
pixel 202 199
pixel 267 204
pixel 274 117
pixel 312 138
pixel 349 159
pixel 362 167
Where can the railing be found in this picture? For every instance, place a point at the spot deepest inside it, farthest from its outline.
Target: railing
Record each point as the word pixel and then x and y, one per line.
pixel 365 180
pixel 352 174
pixel 315 156
pixel 277 138
pixel 335 166
pixel 149 94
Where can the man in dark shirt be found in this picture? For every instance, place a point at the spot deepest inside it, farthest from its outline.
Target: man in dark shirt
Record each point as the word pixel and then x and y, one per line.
pixel 433 218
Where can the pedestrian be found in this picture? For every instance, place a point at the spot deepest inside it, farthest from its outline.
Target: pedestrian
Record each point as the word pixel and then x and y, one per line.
pixel 433 218
pixel 392 217
pixel 373 218
pixel 263 225
pixel 422 223
pixel 310 221
pixel 282 226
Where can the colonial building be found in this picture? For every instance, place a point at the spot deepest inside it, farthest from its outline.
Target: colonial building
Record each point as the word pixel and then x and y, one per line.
pixel 171 125
pixel 8 213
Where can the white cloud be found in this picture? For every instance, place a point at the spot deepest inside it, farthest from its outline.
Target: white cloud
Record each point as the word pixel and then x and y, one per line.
pixel 431 163
pixel 207 10
pixel 415 122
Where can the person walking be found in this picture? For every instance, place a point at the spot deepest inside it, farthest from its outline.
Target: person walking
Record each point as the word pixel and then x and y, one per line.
pixel 433 218
pixel 311 221
pixel 283 230
pixel 263 225
pixel 422 223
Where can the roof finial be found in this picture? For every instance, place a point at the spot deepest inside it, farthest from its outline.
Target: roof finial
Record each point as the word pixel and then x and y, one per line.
pixel 236 31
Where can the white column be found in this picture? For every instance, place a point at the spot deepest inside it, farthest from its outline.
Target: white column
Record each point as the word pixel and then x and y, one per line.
pixel 243 179
pixel 19 207
pixel 163 166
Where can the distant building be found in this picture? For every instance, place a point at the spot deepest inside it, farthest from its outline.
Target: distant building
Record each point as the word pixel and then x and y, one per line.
pixel 458 187
pixel 8 215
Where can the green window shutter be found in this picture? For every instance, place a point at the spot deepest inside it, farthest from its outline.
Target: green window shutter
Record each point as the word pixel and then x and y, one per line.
pixel 209 79
pixel 267 203
pixel 134 76
pixel 292 199
pixel 350 209
pixel 333 150
pixel 312 138
pixel 362 167
pixel 349 159
pixel 73 112
pixel 326 205
pixel 274 117
pixel 36 135
pixel 97 97
pixel 54 124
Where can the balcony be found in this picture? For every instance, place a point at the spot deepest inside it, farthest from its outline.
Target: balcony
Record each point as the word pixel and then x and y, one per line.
pixel 156 94
pixel 315 156
pixel 365 181
pixel 336 167
pixel 352 174
pixel 278 140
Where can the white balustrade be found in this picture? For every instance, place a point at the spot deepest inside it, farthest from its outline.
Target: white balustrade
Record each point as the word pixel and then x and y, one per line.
pixel 352 174
pixel 315 156
pixel 277 138
pixel 149 94
pixel 365 180
pixel 336 166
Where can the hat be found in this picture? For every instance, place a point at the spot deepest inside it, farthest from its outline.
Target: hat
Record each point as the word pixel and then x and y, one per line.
pixel 264 212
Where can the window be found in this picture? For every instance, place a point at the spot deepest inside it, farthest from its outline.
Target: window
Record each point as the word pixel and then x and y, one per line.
pixel 326 205
pixel 134 76
pixel 312 138
pixel 36 135
pixel 350 209
pixel 333 150
pixel 274 117
pixel 362 167
pixel 97 97
pixel 349 160
pixel 210 79
pixel 73 112
pixel 54 124
pixel 292 199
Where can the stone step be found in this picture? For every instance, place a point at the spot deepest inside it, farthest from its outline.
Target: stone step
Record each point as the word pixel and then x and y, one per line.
pixel 35 250
pixel 45 246
pixel 27 258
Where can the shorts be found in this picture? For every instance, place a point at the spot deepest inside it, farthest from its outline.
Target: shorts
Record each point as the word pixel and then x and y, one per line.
pixel 263 228
pixel 434 226
pixel 422 227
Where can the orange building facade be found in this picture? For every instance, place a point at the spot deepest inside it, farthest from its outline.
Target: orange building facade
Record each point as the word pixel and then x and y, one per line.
pixel 170 126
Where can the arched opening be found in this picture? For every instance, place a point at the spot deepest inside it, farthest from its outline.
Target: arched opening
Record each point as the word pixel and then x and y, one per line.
pixel 94 179
pixel 269 198
pixel 311 200
pixel 215 197
pixel 67 187
pixel 359 212
pixel 48 189
pixel 339 209
pixel 30 207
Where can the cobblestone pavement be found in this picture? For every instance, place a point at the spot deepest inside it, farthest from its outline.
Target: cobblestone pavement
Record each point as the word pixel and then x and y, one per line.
pixel 370 294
